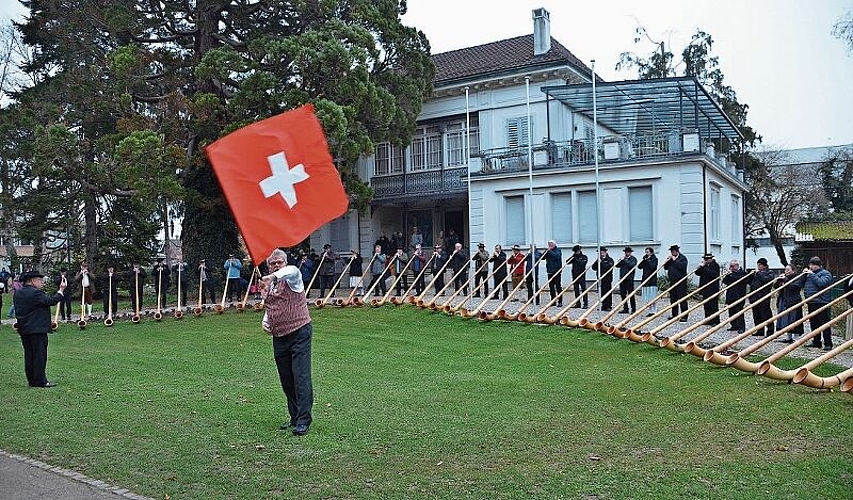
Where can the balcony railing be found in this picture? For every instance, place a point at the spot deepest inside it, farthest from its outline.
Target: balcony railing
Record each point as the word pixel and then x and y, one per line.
pixel 609 149
pixel 430 182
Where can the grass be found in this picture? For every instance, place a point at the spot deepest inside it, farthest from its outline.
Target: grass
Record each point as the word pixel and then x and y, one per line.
pixel 417 405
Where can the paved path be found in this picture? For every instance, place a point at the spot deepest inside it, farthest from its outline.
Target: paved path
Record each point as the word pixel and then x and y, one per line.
pixel 23 478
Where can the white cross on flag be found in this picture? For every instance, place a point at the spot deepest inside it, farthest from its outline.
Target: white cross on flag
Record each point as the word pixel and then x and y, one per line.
pixel 279 179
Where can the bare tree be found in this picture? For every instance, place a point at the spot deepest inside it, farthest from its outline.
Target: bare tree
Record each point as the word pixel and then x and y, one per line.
pixel 843 30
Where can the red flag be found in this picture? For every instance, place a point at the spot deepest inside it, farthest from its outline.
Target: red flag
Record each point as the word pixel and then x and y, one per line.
pixel 279 179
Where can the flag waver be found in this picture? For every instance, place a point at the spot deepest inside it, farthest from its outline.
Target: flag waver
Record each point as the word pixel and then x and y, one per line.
pixel 279 180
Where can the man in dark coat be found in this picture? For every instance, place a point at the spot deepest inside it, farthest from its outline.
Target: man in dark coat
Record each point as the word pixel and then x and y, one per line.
pixel 439 259
pixel 761 312
pixel 498 260
pixel 65 301
pixel 136 283
pixel 579 262
pixel 109 291
pixel 481 270
pixel 604 266
pixel 459 265
pixel 553 266
pixel 160 274
pixel 182 277
pixel 531 279
pixel 32 310
pixel 327 269
pixel 709 274
pixel 626 279
pixel 676 269
pixel 735 295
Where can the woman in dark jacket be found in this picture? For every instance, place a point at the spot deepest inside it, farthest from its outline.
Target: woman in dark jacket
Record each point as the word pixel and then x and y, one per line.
pixel 790 296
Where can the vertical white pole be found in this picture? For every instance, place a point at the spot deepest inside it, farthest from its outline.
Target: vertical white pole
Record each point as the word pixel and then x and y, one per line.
pixel 468 163
pixel 597 185
pixel 530 179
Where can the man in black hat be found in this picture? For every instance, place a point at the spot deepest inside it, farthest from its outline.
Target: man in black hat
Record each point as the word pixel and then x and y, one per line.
pixel 735 295
pixel 182 278
pixel 627 269
pixel 136 283
pixel 709 280
pixel 761 311
pixel 32 310
pixel 65 301
pixel 109 291
pixel 579 262
pixel 676 269
pixel 481 269
pixel 208 285
pixel 604 268
pixel 160 274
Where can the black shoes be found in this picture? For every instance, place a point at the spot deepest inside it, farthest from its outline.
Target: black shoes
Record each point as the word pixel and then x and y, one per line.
pixel 287 426
pixel 827 347
pixel 787 341
pixel 815 345
pixel 300 430
pixel 683 320
pixel 46 385
pixel 624 311
pixel 733 329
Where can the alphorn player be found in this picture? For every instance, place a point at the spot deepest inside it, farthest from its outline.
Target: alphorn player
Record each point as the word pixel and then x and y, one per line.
pixel 87 288
pixel 482 272
pixel 109 291
pixel 498 260
pixel 531 280
pixel 136 284
pixel 514 262
pixel 735 295
pixel 553 266
pixel 709 274
pixel 626 279
pixel 602 266
pixel 676 268
pixel 459 262
pixel 183 278
pixel 418 262
pixel 579 262
pixel 160 275
pixel 818 279
pixel 208 285
pixel 762 312
pixel 439 259
pixel 649 266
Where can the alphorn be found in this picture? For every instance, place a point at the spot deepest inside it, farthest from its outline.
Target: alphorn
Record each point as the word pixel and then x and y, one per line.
pixel 446 307
pixel 241 306
pixel 377 303
pixel 806 376
pixel 738 359
pixel 847 386
pixel 316 273
pixel 594 306
pixel 136 318
pixel 179 311
pixel 82 322
pixel 360 301
pixel 532 318
pixel 618 330
pixel 406 297
pixel 668 309
pixel 768 369
pixel 349 299
pixel 521 314
pixel 603 321
pixel 500 313
pixel 321 303
pixel 198 309
pixel 220 308
pixel 108 321
pixel 432 303
pixel 158 314
pixel 541 316
pixel 465 313
pixel 713 355
pixel 561 314
pixel 54 325
pixel 693 347
pixel 598 325
pixel 419 301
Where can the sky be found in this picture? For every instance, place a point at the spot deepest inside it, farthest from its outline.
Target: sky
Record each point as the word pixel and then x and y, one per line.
pixel 778 55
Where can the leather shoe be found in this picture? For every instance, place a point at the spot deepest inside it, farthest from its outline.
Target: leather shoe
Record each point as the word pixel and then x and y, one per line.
pixel 300 430
pixel 815 346
pixel 287 426
pixel 46 385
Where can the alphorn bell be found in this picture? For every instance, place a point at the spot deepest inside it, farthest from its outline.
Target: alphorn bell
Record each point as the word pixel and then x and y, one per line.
pixel 459 307
pixel 419 301
pixel 179 310
pixel 329 295
pixel 411 298
pixel 108 321
pixel 448 308
pixel 136 318
pixel 805 375
pixel 349 299
pixel 432 303
pixel 220 308
pixel 158 314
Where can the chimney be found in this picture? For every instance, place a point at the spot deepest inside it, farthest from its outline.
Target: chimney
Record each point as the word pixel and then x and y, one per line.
pixel 541 31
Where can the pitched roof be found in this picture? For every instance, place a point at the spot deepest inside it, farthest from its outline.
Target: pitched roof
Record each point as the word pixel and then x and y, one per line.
pixel 501 56
pixel 825 231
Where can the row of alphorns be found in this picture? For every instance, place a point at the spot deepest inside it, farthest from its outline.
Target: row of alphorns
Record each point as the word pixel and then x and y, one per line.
pixel 631 328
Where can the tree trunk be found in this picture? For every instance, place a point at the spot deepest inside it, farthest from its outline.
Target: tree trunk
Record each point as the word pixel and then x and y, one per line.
pixel 776 239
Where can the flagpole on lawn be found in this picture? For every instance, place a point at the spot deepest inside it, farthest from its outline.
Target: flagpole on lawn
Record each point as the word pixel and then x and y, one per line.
pixel 597 185
pixel 468 161
pixel 530 173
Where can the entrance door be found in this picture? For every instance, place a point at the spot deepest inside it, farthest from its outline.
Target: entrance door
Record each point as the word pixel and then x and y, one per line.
pixel 453 220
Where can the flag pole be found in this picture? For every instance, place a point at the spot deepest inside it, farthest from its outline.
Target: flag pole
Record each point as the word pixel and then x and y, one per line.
pixel 468 160
pixel 530 174
pixel 597 185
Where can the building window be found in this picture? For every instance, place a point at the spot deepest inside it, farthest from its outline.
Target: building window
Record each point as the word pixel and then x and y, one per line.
pixel 455 142
pixel 587 217
pixel 426 149
pixel 339 231
pixel 715 213
pixel 640 213
pixel 388 159
pixel 561 221
pixel 737 232
pixel 515 230
pixel 517 132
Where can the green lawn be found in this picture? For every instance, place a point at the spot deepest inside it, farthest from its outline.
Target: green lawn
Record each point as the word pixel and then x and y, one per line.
pixel 412 404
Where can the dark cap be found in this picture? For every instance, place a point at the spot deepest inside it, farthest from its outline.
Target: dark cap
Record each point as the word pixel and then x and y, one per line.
pixel 709 255
pixel 516 247
pixel 481 245
pixel 28 275
pixel 816 261
pixel 327 246
pixel 628 250
pixel 576 248
pixel 762 261
pixel 603 249
pixel 674 247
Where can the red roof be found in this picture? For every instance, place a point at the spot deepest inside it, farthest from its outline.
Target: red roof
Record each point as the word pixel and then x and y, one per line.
pixel 501 56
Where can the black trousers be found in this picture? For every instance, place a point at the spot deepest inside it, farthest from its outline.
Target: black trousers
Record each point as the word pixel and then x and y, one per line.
pixel 817 321
pixel 607 295
pixel 532 285
pixel 481 278
pixel 503 284
pixel 233 288
pixel 760 313
pixel 65 307
pixel 35 358
pixel 439 282
pixel 711 308
pixel 292 355
pixel 461 281
pixel 327 281
pixel 677 293
pixel 106 297
pixel 184 288
pixel 419 283
pixel 208 288
pixel 580 287
pixel 734 309
pixel 402 284
pixel 555 285
pixel 381 287
pixel 626 288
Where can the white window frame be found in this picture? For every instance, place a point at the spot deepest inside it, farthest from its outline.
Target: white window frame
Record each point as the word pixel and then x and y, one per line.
pixel 715 217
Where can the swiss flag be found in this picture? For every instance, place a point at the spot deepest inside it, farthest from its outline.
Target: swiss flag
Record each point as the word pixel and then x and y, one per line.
pixel 279 179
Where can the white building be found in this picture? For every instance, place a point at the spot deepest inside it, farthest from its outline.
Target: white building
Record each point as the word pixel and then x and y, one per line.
pixel 662 179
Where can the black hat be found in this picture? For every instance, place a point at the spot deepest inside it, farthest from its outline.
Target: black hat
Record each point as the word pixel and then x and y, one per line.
pixel 628 250
pixel 762 261
pixel 816 261
pixel 28 275
pixel 481 245
pixel 709 255
pixel 603 249
pixel 576 248
pixel 674 247
pixel 327 246
pixel 516 247
pixel 159 258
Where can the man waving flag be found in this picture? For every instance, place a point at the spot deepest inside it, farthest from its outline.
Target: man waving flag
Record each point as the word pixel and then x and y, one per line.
pixel 279 179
